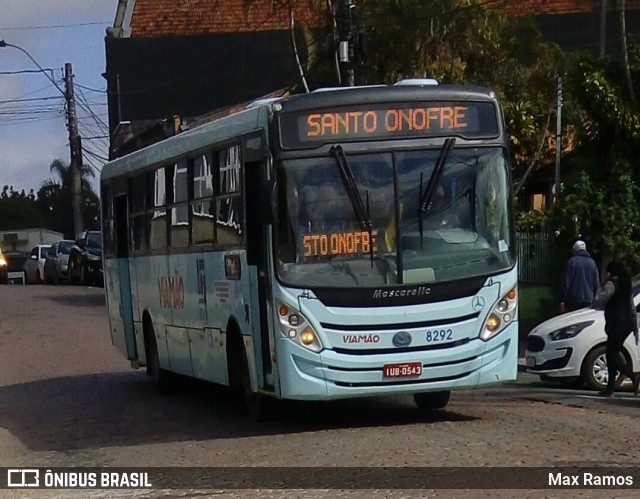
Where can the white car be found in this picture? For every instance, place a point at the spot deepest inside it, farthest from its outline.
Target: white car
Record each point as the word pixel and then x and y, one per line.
pixel 571 347
pixel 34 268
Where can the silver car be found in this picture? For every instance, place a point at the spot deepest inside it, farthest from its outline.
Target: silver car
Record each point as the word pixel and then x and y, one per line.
pixel 56 265
pixel 571 347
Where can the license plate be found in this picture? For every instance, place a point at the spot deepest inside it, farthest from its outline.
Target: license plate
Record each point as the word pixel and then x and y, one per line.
pixel 531 361
pixel 404 370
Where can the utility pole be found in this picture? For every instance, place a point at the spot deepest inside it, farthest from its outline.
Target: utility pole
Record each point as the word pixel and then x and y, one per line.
pixel 75 145
pixel 557 184
pixel 346 51
pixel 603 28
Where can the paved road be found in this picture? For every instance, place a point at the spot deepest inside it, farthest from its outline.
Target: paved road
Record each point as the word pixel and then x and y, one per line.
pixel 67 397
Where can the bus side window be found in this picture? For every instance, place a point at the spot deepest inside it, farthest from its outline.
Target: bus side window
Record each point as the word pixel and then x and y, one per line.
pixel 229 203
pixel 203 206
pixel 138 217
pixel 158 211
pixel 107 221
pixel 180 211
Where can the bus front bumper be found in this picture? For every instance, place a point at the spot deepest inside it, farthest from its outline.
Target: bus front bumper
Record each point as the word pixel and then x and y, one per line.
pixel 306 375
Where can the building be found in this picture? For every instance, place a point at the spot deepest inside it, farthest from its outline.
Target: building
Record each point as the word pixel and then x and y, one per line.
pixel 172 60
pixel 186 58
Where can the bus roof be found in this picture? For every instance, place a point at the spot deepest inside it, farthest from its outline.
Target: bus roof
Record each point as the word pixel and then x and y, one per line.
pixel 386 93
pixel 190 140
pixel 257 112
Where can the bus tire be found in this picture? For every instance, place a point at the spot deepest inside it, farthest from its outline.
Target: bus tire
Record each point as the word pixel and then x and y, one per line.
pixel 162 379
pixel 431 401
pixel 258 406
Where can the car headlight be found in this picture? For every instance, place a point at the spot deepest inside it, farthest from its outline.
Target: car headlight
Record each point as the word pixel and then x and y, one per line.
pixel 501 316
pixel 296 327
pixel 93 258
pixel 3 262
pixel 569 331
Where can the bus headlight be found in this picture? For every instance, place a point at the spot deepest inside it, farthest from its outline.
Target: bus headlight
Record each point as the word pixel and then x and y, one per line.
pixel 501 316
pixel 296 327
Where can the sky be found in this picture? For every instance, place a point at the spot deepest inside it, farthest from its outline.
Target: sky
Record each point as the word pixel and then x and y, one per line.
pixel 33 129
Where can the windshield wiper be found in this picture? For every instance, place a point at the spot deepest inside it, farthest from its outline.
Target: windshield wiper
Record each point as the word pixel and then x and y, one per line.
pixel 427 195
pixel 351 187
pixel 349 182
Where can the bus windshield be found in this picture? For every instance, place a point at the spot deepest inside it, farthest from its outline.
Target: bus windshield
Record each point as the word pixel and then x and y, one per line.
pixel 462 229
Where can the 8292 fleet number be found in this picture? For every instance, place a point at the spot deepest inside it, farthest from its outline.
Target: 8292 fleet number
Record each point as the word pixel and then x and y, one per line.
pixel 438 335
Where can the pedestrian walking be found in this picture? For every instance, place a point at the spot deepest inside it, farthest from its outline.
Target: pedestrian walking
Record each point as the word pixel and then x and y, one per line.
pixel 616 298
pixel 580 280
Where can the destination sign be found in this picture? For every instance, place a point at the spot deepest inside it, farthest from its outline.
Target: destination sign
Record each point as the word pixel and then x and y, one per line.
pixel 339 243
pixel 465 119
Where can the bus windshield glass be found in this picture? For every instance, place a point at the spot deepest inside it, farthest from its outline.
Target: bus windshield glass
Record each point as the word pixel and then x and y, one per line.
pixel 462 230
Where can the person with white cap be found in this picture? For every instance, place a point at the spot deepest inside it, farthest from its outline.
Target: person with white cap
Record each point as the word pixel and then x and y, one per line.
pixel 580 280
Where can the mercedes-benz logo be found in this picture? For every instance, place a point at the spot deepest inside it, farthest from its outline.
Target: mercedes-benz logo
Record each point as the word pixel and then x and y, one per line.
pixel 401 339
pixel 477 303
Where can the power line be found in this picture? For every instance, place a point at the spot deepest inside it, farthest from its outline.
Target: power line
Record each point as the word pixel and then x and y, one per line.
pixel 54 26
pixel 82 101
pixel 30 100
pixel 104 91
pixel 95 155
pixel 26 71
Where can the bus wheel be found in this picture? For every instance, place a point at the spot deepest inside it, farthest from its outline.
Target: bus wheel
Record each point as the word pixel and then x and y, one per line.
pixel 430 401
pixel 257 405
pixel 161 378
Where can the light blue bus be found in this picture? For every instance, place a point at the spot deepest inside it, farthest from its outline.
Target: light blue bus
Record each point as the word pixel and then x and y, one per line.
pixel 339 243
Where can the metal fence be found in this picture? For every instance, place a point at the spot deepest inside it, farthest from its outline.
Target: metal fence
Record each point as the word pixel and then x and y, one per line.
pixel 533 257
pixel 537 286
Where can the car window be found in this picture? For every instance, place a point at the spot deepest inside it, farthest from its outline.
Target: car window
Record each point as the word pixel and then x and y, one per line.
pixel 43 252
pixel 94 239
pixel 65 247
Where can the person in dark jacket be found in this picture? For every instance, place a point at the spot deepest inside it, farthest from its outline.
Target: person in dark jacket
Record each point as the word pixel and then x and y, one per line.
pixel 616 298
pixel 579 281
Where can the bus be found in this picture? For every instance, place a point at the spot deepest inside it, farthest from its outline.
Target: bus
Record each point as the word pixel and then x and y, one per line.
pixel 341 243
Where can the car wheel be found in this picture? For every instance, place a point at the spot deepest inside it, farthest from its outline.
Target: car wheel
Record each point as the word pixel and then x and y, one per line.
pixel 431 401
pixel 71 271
pixel 594 368
pixel 83 275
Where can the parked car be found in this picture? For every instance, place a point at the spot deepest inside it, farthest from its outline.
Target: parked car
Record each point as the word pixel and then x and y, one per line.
pixel 571 347
pixel 4 269
pixel 56 266
pixel 34 267
pixel 16 261
pixel 85 259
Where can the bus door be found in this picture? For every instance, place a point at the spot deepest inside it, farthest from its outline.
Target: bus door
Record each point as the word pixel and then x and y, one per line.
pixel 258 260
pixel 122 271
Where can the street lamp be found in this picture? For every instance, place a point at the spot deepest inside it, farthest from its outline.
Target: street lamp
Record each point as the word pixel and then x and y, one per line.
pixel 4 44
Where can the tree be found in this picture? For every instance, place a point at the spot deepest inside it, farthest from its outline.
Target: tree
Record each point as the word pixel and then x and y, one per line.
pixel 55 199
pixel 603 173
pixel 463 41
pixel 625 51
pixel 18 211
